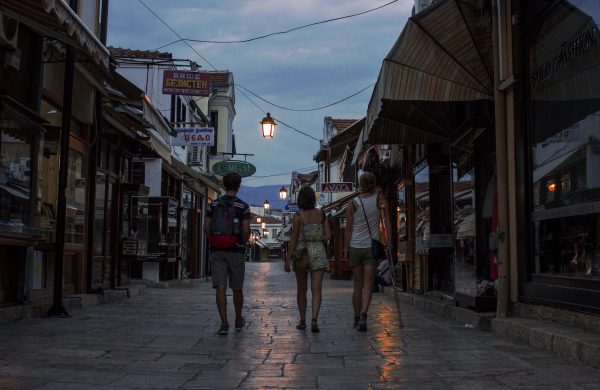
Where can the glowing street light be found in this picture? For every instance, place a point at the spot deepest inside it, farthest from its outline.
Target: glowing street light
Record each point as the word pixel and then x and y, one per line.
pixel 268 126
pixel 283 193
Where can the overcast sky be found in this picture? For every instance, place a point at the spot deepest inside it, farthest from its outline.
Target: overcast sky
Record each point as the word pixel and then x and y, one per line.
pixel 303 69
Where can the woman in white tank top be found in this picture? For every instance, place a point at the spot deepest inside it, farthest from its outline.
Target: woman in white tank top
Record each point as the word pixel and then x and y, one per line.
pixel 363 216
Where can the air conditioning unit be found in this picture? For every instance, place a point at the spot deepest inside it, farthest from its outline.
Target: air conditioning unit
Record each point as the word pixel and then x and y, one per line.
pixel 195 156
pixel 9 32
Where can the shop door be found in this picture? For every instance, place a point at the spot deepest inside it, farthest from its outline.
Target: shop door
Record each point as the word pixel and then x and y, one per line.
pixel 104 271
pixel 8 277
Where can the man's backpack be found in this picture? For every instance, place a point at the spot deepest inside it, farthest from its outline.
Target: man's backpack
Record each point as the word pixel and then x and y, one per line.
pixel 224 229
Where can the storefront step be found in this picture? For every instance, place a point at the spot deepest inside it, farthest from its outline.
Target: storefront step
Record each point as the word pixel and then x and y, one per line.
pixel 566 341
pixel 445 305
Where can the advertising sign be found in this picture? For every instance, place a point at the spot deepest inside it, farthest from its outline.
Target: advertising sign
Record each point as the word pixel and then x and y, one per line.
pixel 292 207
pixel 242 167
pixel 194 136
pixel 337 187
pixel 185 82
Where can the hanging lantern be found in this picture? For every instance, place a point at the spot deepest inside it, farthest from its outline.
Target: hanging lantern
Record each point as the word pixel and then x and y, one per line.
pixel 283 193
pixel 268 126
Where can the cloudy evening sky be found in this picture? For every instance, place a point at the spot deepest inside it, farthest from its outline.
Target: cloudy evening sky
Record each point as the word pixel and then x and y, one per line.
pixel 307 68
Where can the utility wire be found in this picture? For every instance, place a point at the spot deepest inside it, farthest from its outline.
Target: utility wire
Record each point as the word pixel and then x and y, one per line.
pixel 279 32
pixel 277 119
pixel 205 60
pixel 306 109
pixel 175 32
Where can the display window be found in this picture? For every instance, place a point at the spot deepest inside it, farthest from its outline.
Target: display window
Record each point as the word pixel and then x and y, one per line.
pixel 16 149
pixel 564 116
pixel 422 217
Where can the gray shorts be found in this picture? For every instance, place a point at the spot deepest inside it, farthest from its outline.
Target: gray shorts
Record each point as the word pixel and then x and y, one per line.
pixel 228 265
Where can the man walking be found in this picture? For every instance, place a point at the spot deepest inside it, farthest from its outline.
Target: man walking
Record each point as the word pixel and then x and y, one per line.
pixel 227 224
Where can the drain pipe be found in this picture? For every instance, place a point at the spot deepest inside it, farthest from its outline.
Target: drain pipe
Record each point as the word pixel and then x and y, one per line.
pixel 501 83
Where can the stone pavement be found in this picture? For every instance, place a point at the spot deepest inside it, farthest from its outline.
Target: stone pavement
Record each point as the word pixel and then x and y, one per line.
pixel 165 340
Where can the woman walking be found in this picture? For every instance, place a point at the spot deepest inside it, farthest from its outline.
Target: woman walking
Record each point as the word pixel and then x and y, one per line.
pixel 306 254
pixel 363 216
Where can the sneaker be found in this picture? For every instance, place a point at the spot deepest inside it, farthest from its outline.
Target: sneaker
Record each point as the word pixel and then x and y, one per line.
pixel 223 330
pixel 239 325
pixel 355 325
pixel 362 322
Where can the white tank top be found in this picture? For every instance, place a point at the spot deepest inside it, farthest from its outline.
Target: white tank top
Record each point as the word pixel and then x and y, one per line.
pixel 360 232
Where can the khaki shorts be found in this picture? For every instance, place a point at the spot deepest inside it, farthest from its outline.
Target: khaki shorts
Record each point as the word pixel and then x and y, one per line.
pixel 361 256
pixel 228 265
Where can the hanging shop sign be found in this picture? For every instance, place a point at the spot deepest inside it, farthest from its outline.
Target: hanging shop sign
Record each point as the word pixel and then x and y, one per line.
pixel 183 82
pixel 291 207
pixel 244 168
pixel 194 136
pixel 337 187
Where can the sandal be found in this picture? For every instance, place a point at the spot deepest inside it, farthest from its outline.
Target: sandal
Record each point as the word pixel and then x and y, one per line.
pixel 301 325
pixel 314 327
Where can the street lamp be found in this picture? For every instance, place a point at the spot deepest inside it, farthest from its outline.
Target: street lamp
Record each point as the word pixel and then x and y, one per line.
pixel 266 206
pixel 258 219
pixel 282 193
pixel 265 233
pixel 268 126
pixel 263 225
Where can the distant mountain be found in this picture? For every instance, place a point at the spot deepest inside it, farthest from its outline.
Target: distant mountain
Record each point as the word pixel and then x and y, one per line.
pixel 255 196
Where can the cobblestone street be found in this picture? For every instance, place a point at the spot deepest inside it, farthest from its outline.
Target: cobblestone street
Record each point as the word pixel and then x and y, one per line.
pixel 165 339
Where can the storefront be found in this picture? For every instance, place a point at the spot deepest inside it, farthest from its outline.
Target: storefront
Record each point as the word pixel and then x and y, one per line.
pixel 563 119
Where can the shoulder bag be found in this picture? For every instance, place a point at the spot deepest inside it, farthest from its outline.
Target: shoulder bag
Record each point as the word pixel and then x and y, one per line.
pixel 377 247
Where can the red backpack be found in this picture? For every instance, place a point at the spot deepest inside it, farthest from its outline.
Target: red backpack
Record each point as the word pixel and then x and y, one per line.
pixel 224 231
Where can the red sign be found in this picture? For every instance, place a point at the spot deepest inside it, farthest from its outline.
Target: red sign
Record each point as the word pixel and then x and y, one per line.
pixel 337 187
pixel 184 82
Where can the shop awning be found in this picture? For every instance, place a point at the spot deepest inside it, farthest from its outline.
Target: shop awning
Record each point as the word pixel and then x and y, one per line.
pixel 54 18
pixel 438 73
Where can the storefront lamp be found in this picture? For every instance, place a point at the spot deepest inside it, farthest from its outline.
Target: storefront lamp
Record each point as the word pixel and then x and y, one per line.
pixel 282 193
pixel 268 126
pixel 265 233
pixel 551 185
pixel 263 225
pixel 258 219
pixel 266 206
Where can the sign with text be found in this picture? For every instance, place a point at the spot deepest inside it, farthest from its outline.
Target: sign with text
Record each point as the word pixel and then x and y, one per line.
pixel 337 187
pixel 194 136
pixel 242 167
pixel 292 207
pixel 185 82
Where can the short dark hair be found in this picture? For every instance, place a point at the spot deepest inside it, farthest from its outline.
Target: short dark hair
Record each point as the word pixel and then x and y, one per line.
pixel 306 198
pixel 232 181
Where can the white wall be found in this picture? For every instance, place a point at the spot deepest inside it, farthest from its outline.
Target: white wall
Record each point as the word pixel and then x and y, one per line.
pixel 153 175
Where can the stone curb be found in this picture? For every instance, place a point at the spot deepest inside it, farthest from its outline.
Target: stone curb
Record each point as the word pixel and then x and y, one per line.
pixel 71 302
pixel 171 283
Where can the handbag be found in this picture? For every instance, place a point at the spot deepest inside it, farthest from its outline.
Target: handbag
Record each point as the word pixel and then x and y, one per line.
pixel 377 247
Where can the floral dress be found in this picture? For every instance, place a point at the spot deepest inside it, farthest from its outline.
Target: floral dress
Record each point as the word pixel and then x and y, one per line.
pixel 310 239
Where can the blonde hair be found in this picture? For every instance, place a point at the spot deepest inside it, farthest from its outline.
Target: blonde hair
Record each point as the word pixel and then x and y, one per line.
pixel 366 181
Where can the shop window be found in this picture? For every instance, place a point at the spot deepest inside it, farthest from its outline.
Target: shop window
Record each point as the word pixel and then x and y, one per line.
pixel 75 192
pixel 401 213
pixel 422 217
pixel 15 175
pixel 564 118
pixel 99 214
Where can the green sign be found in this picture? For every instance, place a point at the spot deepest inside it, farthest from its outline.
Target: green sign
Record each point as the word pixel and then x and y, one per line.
pixel 244 168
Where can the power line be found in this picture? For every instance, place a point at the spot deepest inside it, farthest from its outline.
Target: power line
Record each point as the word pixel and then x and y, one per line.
pixel 278 120
pixel 279 32
pixel 175 32
pixel 205 60
pixel 306 109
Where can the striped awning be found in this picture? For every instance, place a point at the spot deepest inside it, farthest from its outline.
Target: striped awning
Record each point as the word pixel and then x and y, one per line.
pixel 442 59
pixel 54 18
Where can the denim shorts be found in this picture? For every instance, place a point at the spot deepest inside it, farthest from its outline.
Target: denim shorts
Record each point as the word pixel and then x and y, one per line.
pixel 361 256
pixel 228 266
